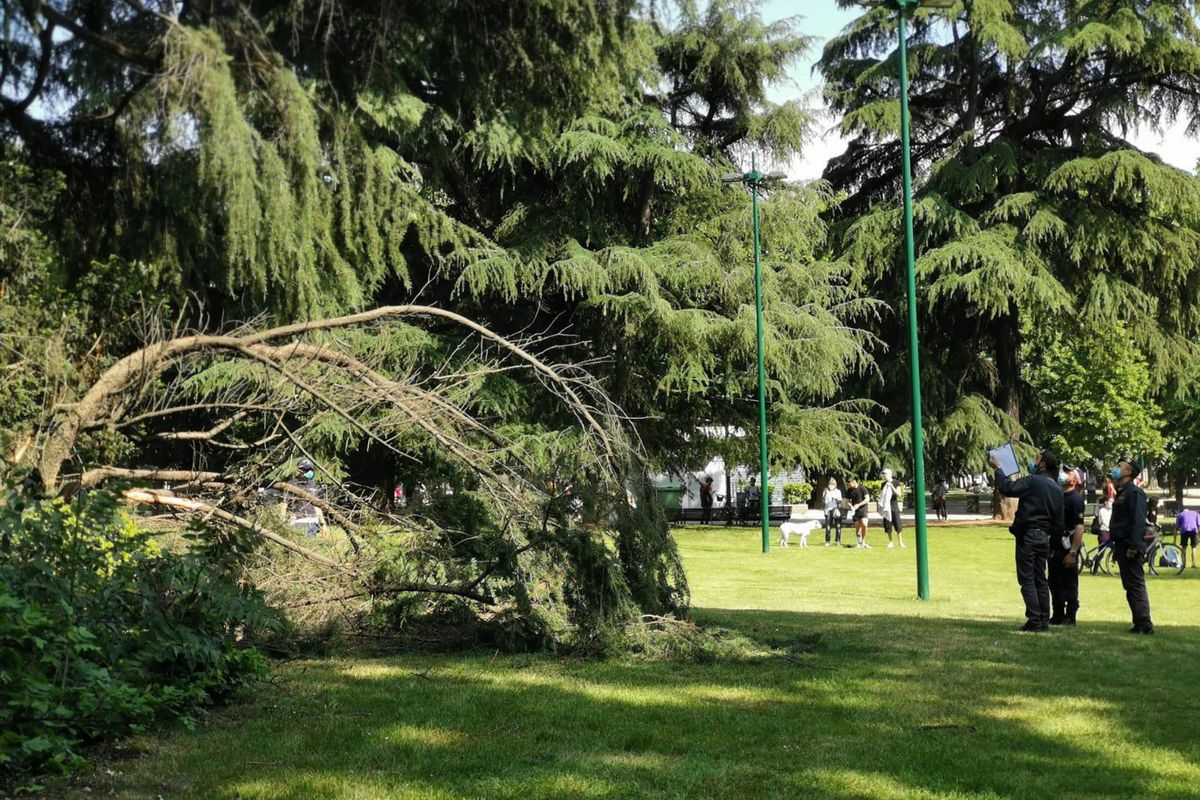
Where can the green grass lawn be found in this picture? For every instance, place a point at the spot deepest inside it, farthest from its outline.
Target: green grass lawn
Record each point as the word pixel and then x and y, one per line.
pixel 883 697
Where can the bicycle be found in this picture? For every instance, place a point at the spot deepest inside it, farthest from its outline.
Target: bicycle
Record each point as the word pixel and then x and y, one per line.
pixel 1165 556
pixel 1165 559
pixel 1096 559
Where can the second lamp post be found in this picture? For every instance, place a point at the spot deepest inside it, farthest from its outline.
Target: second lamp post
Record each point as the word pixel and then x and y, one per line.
pixel 756 180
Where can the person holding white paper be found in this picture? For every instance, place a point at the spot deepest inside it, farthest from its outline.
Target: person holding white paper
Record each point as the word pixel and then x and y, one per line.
pixel 1039 516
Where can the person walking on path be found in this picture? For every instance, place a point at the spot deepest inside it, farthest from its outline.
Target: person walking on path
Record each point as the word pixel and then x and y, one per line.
pixel 889 509
pixel 1129 529
pixel 1064 554
pixel 940 492
pixel 1187 522
pixel 706 501
pixel 859 498
pixel 831 500
pixel 1039 516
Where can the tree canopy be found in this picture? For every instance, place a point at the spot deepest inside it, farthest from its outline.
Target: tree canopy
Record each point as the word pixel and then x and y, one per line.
pixel 1034 211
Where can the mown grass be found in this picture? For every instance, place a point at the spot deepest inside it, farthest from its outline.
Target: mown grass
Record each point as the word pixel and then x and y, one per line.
pixel 881 696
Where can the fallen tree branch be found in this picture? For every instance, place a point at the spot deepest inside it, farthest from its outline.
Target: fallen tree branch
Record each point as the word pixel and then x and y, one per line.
pixel 164 498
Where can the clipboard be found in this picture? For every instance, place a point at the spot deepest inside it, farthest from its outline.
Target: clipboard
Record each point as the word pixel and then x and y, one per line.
pixel 1007 459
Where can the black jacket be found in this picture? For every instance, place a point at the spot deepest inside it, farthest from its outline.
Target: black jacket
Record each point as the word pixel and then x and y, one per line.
pixel 1041 504
pixel 1128 525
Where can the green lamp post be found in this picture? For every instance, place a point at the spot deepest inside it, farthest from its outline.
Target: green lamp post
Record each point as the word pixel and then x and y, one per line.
pixel 903 9
pixel 756 181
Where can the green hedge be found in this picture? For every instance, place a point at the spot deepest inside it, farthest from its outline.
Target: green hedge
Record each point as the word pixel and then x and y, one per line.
pixel 797 492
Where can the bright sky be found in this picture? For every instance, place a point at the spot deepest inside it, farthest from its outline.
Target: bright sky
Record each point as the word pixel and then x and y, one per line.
pixel 823 19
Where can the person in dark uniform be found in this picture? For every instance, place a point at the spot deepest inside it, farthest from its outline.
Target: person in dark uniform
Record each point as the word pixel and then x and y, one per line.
pixel 1064 553
pixel 1039 517
pixel 1128 530
pixel 706 501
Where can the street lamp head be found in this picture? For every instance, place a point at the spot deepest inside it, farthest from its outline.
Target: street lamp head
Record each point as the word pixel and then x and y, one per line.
pixel 733 177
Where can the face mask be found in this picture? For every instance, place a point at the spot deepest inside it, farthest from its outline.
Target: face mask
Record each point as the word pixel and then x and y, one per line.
pixel 1062 479
pixel 1115 473
pixel 1032 467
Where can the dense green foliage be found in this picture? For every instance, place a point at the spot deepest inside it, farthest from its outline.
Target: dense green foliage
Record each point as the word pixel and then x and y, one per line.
pixel 1093 392
pixel 102 633
pixel 1033 211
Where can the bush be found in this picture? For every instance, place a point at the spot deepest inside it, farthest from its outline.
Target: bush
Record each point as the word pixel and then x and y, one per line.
pixel 102 634
pixel 797 492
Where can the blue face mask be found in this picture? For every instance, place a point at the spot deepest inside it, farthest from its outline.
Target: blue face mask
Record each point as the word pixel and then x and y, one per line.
pixel 1062 479
pixel 1032 467
pixel 1115 473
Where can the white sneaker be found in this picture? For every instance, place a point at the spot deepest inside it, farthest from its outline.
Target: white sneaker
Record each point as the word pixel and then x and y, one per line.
pixel 866 546
pixel 827 544
pixel 902 547
pixel 890 545
pixel 859 545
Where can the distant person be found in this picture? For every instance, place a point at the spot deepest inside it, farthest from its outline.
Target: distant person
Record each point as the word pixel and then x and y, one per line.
pixel 706 500
pixel 1187 522
pixel 1039 517
pixel 1152 512
pixel 858 497
pixel 1104 520
pixel 831 500
pixel 1110 488
pixel 1064 553
pixel 303 514
pixel 941 491
pixel 753 499
pixel 1130 529
pixel 889 509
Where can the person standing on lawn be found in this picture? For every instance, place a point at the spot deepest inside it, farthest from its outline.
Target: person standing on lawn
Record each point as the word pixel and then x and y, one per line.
pixel 706 500
pixel 1039 517
pixel 831 499
pixel 1129 529
pixel 940 492
pixel 859 498
pixel 1187 522
pixel 889 509
pixel 1064 553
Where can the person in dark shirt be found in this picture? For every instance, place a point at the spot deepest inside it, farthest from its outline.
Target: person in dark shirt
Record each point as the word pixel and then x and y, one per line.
pixel 1064 553
pixel 706 501
pixel 858 498
pixel 1039 517
pixel 1128 530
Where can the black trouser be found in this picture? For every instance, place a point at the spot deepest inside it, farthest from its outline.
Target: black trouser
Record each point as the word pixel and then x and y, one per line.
pixel 1133 579
pixel 1064 585
pixel 705 512
pixel 1032 550
pixel 833 519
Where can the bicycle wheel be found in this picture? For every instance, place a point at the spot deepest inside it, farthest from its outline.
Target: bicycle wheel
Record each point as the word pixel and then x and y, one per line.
pixel 1083 560
pixel 1166 559
pixel 1108 563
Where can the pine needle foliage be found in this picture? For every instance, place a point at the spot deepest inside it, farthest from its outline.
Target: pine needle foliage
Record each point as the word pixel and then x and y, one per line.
pixel 1033 211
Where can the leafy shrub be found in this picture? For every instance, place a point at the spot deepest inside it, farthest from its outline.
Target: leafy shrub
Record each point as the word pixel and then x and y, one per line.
pixel 101 633
pixel 797 492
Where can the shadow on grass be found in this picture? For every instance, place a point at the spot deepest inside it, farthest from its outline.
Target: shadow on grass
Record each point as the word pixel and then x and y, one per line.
pixel 878 707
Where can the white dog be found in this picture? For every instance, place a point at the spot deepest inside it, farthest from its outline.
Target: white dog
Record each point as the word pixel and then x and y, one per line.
pixel 801 529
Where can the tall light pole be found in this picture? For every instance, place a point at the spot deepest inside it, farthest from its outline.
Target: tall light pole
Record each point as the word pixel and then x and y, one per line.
pixel 903 9
pixel 756 180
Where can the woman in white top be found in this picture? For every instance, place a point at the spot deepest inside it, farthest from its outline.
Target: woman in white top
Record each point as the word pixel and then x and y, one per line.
pixel 832 497
pixel 1104 514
